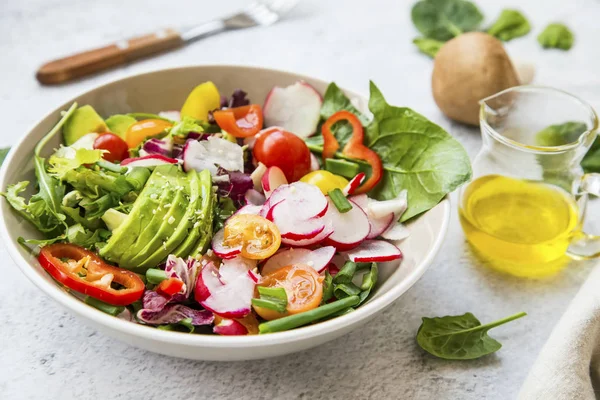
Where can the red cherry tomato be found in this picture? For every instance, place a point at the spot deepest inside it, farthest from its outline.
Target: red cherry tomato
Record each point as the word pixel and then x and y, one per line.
pixel 117 148
pixel 279 148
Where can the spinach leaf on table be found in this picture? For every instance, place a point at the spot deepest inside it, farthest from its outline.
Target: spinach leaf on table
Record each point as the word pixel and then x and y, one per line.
pixel 459 337
pixel 445 19
pixel 510 24
pixel 556 36
pixel 427 46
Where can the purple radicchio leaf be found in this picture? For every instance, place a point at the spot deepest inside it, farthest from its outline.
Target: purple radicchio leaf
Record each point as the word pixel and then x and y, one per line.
pixel 153 301
pixel 238 99
pixel 164 147
pixel 185 271
pixel 236 187
pixel 175 313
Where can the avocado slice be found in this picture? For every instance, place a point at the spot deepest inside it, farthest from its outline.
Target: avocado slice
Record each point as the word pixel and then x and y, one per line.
pixel 84 120
pixel 202 229
pixel 167 228
pixel 165 202
pixel 141 214
pixel 119 123
pixel 200 183
pixel 113 218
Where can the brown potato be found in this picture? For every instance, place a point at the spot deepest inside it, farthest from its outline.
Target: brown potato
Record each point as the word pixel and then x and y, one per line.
pixel 467 69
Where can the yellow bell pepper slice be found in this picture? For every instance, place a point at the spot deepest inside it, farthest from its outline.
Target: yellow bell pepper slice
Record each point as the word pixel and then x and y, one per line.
pixel 204 98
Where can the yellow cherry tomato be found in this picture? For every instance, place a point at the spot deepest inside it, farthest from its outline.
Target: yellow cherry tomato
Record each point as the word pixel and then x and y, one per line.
pixel 204 98
pixel 258 236
pixel 325 180
pixel 144 129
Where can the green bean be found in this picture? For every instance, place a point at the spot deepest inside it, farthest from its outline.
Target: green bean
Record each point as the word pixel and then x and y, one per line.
pixel 296 320
pixel 104 307
pixel 155 275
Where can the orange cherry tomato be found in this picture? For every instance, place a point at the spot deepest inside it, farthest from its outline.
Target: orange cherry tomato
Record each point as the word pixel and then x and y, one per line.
pixel 303 286
pixel 241 121
pixel 258 236
pixel 144 129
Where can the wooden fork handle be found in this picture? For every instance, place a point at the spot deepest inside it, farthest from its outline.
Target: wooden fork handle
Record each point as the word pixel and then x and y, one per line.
pixel 88 62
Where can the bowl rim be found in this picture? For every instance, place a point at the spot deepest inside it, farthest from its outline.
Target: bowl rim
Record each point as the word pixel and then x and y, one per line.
pixel 68 301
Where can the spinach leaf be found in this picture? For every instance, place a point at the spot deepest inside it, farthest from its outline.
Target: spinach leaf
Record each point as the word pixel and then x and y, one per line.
pixel 591 161
pixel 445 19
pixel 510 24
pixel 427 46
pixel 556 36
pixel 459 337
pixel 3 153
pixel 560 134
pixel 417 155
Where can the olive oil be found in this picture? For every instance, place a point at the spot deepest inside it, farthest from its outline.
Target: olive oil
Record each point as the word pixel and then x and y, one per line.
pixel 521 227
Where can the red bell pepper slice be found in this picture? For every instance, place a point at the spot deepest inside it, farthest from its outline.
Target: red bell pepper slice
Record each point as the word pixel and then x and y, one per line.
pixel 84 272
pixel 354 148
pixel 170 287
pixel 241 121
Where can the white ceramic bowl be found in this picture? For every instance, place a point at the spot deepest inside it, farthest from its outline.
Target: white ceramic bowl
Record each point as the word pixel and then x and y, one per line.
pixel 167 90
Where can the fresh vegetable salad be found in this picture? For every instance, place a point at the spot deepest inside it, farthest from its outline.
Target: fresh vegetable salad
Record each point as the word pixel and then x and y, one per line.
pixel 233 217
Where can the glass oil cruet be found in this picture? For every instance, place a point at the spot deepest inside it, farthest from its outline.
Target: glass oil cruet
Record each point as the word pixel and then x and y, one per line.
pixel 523 210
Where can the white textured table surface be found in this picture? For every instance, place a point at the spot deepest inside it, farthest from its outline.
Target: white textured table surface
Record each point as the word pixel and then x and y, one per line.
pixel 45 353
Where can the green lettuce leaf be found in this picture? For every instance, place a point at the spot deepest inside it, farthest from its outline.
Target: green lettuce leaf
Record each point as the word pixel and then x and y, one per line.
pixel 80 236
pixel 95 183
pixel 185 126
pixel 59 166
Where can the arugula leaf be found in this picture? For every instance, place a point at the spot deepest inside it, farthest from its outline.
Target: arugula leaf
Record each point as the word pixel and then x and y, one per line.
pixel 223 209
pixel 80 236
pixel 59 166
pixel 459 337
pixel 3 154
pixel 556 36
pixel 95 183
pixel 417 155
pixel 510 24
pixel 445 19
pixel 427 46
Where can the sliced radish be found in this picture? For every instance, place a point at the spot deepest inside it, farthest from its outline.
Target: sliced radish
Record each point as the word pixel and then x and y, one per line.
pixel 354 184
pixel 254 275
pixel 232 300
pixel 374 251
pixel 249 209
pixel 232 268
pixel 313 241
pixel 305 199
pixel 295 108
pixel 396 206
pixel 254 197
pixel 284 217
pixel 229 327
pixel 314 163
pixel 207 282
pixel 396 232
pixel 378 225
pixel 349 229
pixel 213 153
pixel 272 179
pixel 318 259
pixel 151 160
pixel 230 293
pixel 257 176
pixel 221 250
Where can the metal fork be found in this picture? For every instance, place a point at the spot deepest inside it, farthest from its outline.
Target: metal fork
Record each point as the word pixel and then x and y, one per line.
pixel 263 13
pixel 258 13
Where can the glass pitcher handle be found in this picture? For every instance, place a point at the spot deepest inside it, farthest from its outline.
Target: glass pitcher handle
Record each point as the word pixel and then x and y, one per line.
pixel 585 246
